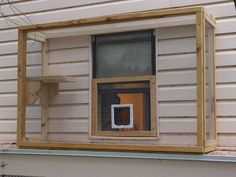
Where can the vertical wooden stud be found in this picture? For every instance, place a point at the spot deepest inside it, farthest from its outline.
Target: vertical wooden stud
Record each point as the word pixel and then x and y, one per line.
pixel 44 93
pixel 201 95
pixel 214 82
pixel 211 68
pixel 21 90
pixel 94 127
pixel 154 126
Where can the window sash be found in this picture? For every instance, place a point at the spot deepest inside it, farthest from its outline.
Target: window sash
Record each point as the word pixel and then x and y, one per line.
pixel 131 133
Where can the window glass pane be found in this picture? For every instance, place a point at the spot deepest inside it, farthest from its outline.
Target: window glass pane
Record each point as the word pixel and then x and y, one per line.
pixel 136 94
pixel 124 54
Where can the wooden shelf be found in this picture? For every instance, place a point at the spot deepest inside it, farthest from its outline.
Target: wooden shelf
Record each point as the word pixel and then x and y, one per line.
pixel 46 87
pixel 51 79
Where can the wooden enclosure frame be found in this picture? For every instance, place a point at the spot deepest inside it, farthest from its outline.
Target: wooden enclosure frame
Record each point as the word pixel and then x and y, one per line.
pixel 201 16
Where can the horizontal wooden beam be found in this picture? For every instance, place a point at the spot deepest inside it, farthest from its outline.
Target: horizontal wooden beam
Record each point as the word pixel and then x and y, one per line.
pixel 114 18
pixel 115 147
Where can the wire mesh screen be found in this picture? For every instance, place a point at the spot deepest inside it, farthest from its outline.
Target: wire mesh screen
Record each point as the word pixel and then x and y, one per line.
pixel 124 54
pixel 210 104
pixel 115 101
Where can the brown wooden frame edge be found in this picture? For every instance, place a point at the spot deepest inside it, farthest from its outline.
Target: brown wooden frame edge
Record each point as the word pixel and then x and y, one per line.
pixel 114 18
pixel 112 147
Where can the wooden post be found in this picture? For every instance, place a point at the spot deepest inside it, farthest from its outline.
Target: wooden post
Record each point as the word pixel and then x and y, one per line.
pixel 201 95
pixel 21 90
pixel 44 93
pixel 214 82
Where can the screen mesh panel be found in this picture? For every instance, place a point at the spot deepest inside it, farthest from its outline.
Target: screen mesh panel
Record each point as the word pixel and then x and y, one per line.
pixel 136 94
pixel 124 54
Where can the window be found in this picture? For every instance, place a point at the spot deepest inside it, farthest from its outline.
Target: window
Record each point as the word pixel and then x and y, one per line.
pixel 124 84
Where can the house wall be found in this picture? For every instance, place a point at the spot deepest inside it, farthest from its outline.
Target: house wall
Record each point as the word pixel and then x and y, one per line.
pixel 49 11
